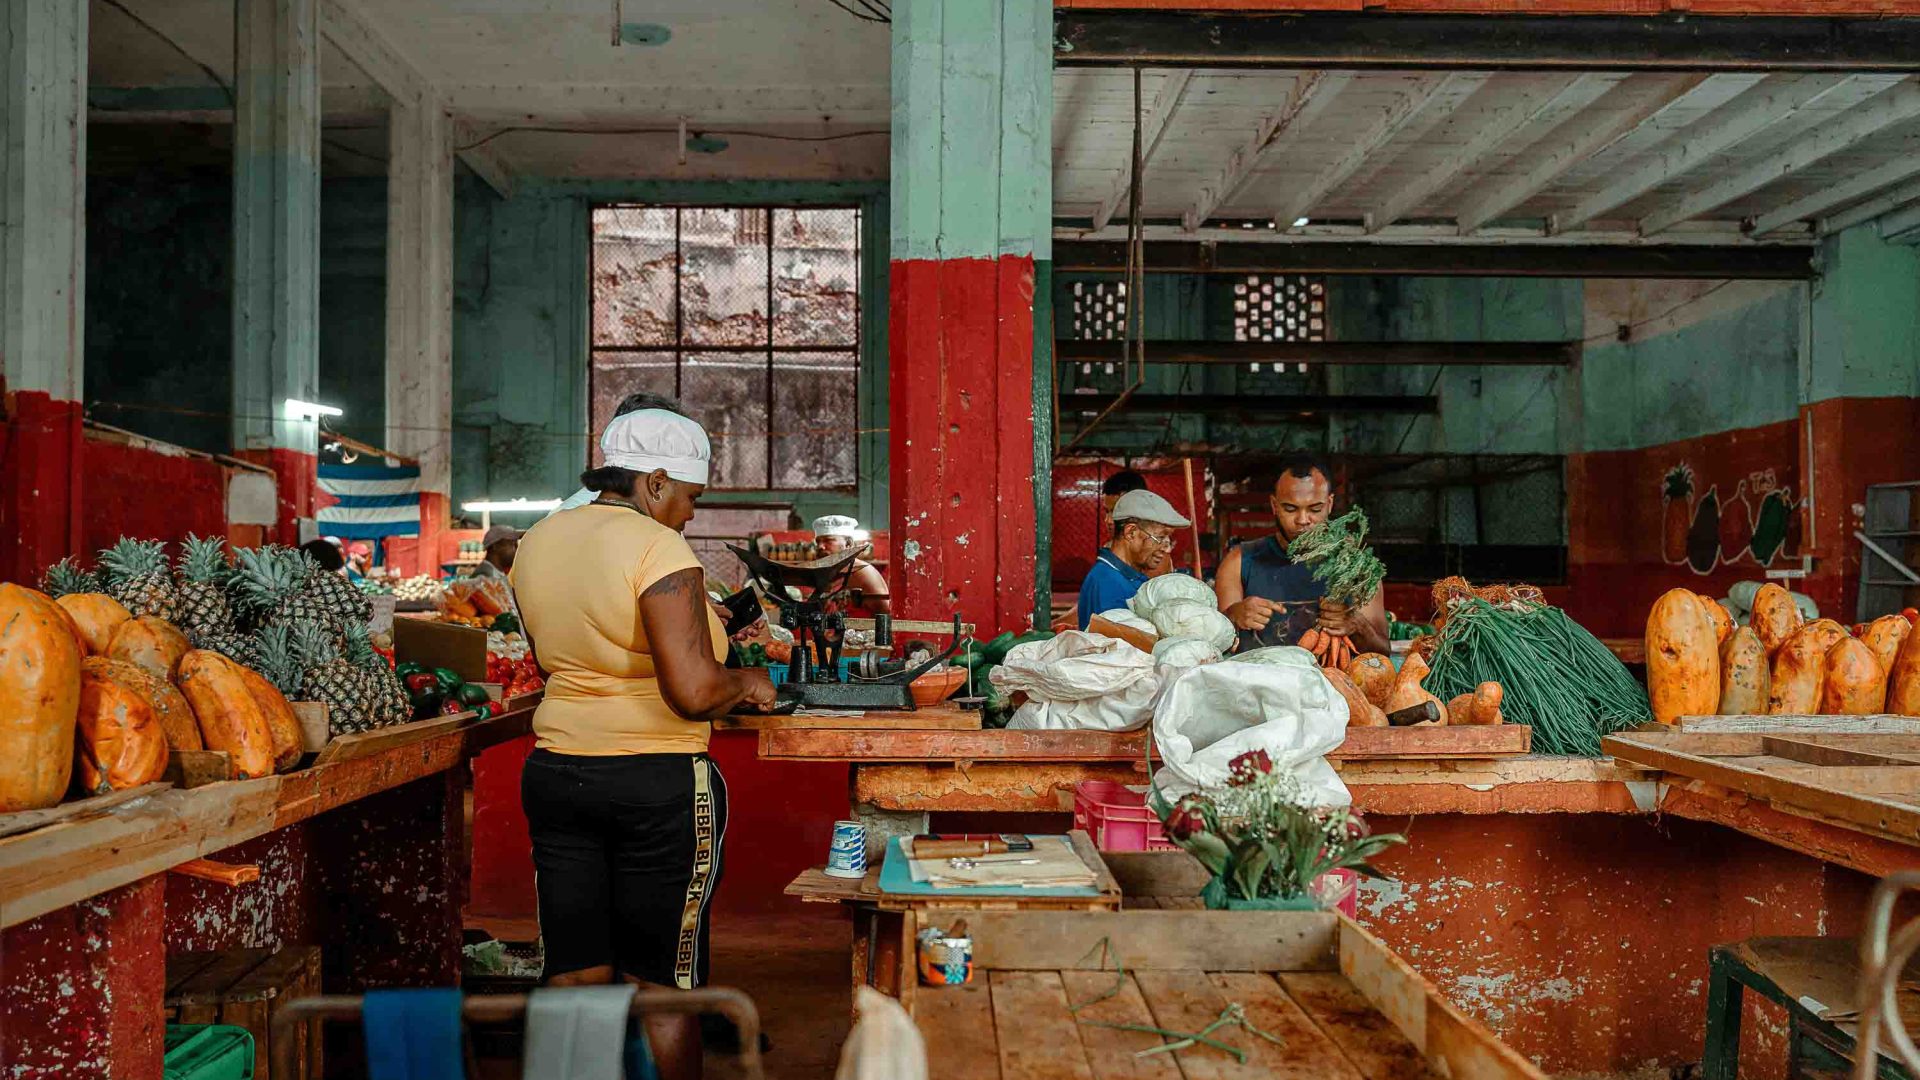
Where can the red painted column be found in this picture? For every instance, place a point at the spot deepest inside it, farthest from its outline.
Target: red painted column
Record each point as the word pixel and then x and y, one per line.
pixel 81 989
pixel 40 485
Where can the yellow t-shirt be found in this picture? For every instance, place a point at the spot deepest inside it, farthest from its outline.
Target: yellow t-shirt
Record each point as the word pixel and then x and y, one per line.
pixel 578 579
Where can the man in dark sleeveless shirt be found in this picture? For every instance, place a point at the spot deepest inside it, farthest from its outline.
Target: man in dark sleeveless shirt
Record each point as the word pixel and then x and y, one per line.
pixel 1271 600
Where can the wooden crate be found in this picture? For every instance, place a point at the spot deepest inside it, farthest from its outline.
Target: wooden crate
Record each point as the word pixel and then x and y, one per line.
pixel 1341 1002
pixel 245 988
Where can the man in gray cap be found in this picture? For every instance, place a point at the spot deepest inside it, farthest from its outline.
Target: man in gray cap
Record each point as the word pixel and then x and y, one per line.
pixel 500 544
pixel 1143 526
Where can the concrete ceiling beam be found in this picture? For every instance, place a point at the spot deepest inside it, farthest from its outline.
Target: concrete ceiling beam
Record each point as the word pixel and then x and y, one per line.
pixel 1312 94
pixel 1771 102
pixel 1895 105
pixel 1429 100
pixel 1856 187
pixel 1153 127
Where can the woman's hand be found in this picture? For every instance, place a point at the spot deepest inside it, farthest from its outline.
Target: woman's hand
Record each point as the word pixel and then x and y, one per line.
pixel 761 695
pixel 674 614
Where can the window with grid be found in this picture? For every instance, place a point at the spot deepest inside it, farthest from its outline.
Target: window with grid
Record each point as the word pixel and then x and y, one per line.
pixel 1280 307
pixel 1099 310
pixel 751 317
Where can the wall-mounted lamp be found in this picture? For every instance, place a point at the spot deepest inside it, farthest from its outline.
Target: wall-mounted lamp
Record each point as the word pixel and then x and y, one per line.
pixel 487 508
pixel 307 410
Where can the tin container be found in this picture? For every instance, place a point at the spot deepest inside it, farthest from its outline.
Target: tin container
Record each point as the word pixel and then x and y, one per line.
pixel 847 856
pixel 946 956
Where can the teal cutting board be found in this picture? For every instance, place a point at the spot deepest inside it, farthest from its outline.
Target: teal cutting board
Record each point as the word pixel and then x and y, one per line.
pixel 896 878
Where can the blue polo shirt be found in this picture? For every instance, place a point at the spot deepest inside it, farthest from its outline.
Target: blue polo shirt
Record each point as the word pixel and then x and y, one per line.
pixel 1110 584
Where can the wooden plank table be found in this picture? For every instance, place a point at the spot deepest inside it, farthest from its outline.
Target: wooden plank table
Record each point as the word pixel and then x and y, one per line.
pixel 1339 1003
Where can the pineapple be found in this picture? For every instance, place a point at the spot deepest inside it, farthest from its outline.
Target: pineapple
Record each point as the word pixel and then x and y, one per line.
pixel 280 661
pixel 329 677
pixel 383 704
pixel 270 585
pixel 334 592
pixel 65 578
pixel 241 648
pixel 201 590
pixel 136 575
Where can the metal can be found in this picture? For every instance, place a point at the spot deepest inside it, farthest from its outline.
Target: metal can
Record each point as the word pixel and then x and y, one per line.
pixel 847 856
pixel 946 956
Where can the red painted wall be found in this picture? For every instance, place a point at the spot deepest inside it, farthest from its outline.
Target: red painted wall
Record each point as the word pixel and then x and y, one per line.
pixel 1079 533
pixel 961 439
pixel 82 988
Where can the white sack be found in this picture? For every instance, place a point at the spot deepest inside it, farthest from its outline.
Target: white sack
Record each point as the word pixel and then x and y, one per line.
pixel 1170 587
pixel 1122 617
pixel 1192 618
pixel 1211 714
pixel 1172 657
pixel 1078 680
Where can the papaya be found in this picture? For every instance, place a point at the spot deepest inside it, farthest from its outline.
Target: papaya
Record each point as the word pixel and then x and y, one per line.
pixel 282 726
pixel 1744 676
pixel 169 707
pixel 1407 691
pixel 1799 668
pixel 1903 682
pixel 1884 636
pixel 1722 619
pixel 1480 707
pixel 120 744
pixel 1374 675
pixel 97 615
pixel 1360 711
pixel 230 717
pixel 1683 658
pixel 1852 683
pixel 73 625
pixel 1775 617
pixel 39 700
pixel 149 643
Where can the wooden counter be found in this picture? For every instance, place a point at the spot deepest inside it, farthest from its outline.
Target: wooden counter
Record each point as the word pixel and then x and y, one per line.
pixel 69 861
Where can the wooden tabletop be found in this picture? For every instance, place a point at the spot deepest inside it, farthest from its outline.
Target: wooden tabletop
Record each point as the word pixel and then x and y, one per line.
pixel 946 716
pixel 817 886
pixel 858 741
pixel 63 863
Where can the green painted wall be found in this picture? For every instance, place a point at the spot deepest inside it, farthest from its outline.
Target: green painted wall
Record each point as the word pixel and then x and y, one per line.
pixel 1866 319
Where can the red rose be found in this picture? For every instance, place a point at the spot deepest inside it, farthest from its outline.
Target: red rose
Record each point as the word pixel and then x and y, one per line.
pixel 1247 766
pixel 1187 817
pixel 1356 827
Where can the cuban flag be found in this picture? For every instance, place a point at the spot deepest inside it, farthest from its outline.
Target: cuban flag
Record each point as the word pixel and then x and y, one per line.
pixel 370 501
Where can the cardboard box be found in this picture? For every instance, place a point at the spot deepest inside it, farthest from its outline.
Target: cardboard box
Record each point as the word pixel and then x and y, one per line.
pixel 461 649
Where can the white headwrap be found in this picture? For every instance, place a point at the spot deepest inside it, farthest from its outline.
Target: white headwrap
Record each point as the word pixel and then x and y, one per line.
pixel 837 525
pixel 649 439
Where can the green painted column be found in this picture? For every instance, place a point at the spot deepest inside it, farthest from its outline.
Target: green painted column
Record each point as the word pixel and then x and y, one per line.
pixel 43 195
pixel 276 224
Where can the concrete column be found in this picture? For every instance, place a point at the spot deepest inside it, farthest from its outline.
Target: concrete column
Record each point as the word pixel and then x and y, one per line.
pixel 420 289
pixel 43 195
pixel 276 241
pixel 972 198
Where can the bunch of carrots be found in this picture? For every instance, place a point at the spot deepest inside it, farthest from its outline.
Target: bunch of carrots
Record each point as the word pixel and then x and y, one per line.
pixel 1333 650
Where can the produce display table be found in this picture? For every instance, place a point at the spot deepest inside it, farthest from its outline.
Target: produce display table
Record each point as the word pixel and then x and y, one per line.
pixel 1050 998
pixel 362 854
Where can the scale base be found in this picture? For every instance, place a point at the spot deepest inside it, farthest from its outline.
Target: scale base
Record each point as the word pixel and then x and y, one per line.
pixel 838 695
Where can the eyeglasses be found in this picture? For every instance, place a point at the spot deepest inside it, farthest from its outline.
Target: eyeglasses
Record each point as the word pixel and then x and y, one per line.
pixel 1163 541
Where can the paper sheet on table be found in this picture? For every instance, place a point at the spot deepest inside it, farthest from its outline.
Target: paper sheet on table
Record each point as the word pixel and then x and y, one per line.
pixel 1059 867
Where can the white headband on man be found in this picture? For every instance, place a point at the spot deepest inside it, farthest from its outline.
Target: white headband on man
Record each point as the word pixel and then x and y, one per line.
pixel 650 439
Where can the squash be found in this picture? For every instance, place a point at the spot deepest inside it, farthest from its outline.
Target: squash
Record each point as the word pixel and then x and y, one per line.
pixel 1853 684
pixel 73 625
pixel 1744 677
pixel 121 744
pixel 1480 707
pixel 229 715
pixel 97 615
pixel 1407 691
pixel 1374 675
pixel 149 643
pixel 1774 618
pixel 169 707
pixel 1683 658
pixel 1884 636
pixel 1360 711
pixel 1722 619
pixel 39 700
pixel 282 726
pixel 1903 682
pixel 1799 668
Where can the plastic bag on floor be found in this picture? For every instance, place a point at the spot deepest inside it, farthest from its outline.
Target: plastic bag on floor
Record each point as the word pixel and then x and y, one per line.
pixel 1078 680
pixel 1211 714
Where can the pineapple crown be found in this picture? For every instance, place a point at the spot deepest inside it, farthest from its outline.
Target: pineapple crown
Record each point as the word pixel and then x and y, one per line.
pixel 263 577
pixel 1678 483
pixel 360 648
pixel 280 660
pixel 203 560
pixel 65 577
pixel 131 559
pixel 314 646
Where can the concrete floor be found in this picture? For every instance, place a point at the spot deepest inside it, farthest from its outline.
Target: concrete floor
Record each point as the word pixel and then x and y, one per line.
pixel 794 965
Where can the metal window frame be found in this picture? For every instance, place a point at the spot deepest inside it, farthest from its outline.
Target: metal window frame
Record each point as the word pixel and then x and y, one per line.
pixel 680 347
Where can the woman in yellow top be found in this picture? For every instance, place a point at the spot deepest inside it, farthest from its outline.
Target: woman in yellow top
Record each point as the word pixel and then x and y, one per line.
pixel 626 811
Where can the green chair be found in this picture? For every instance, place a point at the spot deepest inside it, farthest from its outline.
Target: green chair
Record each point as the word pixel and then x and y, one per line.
pixel 1816 980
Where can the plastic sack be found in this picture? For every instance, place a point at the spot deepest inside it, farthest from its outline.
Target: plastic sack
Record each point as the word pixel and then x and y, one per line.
pixel 1122 617
pixel 1167 588
pixel 1211 714
pixel 1192 618
pixel 1079 681
pixel 1278 655
pixel 1172 657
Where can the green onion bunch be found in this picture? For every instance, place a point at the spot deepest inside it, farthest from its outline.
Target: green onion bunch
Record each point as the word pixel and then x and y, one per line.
pixel 1559 679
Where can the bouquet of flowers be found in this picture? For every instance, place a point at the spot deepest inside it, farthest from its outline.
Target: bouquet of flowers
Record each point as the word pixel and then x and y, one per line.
pixel 1266 847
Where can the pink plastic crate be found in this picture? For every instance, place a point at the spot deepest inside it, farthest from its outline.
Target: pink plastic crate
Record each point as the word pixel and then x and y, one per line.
pixel 1117 819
